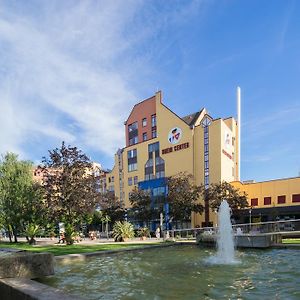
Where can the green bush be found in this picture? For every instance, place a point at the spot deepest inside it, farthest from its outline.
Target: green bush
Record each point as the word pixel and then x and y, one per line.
pixel 122 231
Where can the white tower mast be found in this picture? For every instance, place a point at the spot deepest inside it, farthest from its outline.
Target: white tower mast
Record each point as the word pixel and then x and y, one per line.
pixel 238 98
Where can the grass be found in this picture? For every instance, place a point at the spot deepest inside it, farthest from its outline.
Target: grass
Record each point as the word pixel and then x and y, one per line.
pixel 291 241
pixel 71 249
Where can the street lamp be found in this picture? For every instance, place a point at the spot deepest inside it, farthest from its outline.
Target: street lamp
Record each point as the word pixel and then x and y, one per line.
pixel 250 213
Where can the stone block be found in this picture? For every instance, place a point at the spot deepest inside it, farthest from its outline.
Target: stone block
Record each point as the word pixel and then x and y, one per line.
pixel 26 264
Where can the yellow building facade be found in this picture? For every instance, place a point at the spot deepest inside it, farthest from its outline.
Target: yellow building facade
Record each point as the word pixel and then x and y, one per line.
pixel 159 144
pixel 270 200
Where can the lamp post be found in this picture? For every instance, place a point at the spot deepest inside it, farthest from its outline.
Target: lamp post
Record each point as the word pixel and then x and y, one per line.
pixel 250 213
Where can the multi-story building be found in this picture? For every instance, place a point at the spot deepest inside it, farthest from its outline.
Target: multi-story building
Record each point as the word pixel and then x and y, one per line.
pixel 159 144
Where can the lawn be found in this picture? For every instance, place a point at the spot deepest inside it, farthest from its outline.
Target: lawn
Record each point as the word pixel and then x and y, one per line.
pixel 71 249
pixel 291 241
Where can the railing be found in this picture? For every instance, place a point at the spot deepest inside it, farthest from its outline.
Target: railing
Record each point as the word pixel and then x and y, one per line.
pixel 279 227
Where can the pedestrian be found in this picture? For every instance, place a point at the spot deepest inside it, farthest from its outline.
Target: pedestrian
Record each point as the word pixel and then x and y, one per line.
pixel 157 233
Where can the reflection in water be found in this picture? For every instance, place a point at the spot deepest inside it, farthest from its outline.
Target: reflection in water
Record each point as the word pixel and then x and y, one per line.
pixel 181 273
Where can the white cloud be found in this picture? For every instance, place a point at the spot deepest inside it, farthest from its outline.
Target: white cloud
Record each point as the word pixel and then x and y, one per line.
pixel 69 70
pixel 62 66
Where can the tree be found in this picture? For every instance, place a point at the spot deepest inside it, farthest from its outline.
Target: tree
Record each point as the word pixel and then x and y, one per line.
pixel 141 209
pixel 70 186
pixel 110 205
pixel 225 191
pixel 16 186
pixel 183 197
pixel 35 215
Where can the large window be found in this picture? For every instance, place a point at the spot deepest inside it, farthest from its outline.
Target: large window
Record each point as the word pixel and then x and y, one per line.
pixel 159 167
pixel 149 171
pixel 132 160
pixel 132 127
pixel 133 133
pixel 154 158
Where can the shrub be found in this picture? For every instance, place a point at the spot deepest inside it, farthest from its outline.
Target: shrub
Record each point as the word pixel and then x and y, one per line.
pixel 122 231
pixel 144 232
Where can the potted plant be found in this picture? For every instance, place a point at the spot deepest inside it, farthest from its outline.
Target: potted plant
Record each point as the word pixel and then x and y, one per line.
pixel 123 231
pixel 143 233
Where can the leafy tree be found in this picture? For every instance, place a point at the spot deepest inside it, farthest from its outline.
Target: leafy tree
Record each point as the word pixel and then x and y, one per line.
pixel 35 215
pixel 183 197
pixel 111 206
pixel 16 186
pixel 70 186
pixel 141 209
pixel 225 191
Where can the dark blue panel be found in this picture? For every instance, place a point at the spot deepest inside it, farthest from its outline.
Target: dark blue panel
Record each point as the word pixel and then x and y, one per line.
pixel 151 184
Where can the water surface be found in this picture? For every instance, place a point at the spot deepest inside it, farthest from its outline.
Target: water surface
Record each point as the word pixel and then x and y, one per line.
pixel 182 272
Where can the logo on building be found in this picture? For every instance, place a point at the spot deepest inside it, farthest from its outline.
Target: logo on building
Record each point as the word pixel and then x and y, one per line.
pixel 175 135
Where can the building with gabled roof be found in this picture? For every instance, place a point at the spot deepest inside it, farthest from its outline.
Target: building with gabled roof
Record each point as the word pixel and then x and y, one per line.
pixel 159 144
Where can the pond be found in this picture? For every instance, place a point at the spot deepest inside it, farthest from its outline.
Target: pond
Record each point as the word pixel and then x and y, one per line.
pixel 182 272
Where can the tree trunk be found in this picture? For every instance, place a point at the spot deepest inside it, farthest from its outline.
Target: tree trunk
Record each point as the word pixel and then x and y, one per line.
pixel 15 234
pixel 9 236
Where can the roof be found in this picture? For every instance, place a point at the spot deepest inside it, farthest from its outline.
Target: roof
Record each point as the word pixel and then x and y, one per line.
pixel 192 118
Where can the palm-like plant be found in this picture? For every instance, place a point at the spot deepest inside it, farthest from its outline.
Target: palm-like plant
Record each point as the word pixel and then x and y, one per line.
pixel 144 232
pixel 123 231
pixel 31 231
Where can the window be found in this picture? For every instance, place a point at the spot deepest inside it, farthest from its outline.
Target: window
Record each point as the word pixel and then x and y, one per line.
pixel 254 202
pixel 144 122
pixel 129 181
pixel 145 136
pixel 133 140
pixel 296 198
pixel 154 134
pixel 109 179
pixel 159 167
pixel 159 191
pixel 132 160
pixel 281 199
pixel 132 153
pixel 153 120
pixel 267 200
pixel 112 179
pixel 133 133
pixel 132 126
pixel 135 180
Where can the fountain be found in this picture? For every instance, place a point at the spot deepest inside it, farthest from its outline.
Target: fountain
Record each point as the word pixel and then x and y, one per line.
pixel 225 239
pixel 225 242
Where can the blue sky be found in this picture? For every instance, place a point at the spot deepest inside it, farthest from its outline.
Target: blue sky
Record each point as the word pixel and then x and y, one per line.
pixel 71 70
